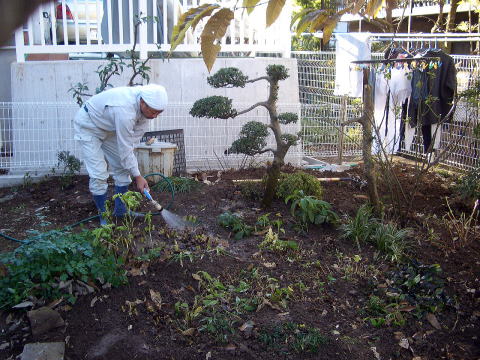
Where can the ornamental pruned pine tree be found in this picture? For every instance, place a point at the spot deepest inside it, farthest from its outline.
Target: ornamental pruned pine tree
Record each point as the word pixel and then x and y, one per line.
pixel 252 140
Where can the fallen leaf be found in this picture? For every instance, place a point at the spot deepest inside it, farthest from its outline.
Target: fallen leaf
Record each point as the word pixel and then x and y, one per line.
pixel 23 305
pixel 432 319
pixel 266 302
pixel 208 355
pixel 375 353
pixel 55 303
pixel 94 300
pixel 404 343
pixel 269 265
pixel 197 277
pixel 136 272
pixel 156 298
pixel 248 324
pixel 230 347
pixel 407 308
pixel 188 332
pixel 360 196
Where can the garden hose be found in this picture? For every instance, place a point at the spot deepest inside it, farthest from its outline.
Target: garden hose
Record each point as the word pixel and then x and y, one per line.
pixel 171 189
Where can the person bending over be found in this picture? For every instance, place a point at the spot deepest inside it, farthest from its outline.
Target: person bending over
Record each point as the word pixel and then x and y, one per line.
pixel 107 127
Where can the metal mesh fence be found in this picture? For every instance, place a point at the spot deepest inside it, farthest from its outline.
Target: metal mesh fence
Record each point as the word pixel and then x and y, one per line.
pixel 322 112
pixel 32 135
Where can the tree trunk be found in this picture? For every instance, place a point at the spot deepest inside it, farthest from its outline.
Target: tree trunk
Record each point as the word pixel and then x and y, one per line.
pixel 369 165
pixel 452 15
pixel 439 25
pixel 273 173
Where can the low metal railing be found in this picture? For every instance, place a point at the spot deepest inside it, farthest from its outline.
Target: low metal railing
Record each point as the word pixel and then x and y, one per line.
pixel 87 26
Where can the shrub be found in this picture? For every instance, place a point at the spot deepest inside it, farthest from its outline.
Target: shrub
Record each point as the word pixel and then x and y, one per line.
pixel 235 224
pixel 288 183
pixel 387 238
pixel 469 186
pixel 298 338
pixel 310 209
pixel 68 164
pixel 361 227
pixel 391 241
pixel 180 185
pixel 251 189
pixel 273 243
pixel 36 268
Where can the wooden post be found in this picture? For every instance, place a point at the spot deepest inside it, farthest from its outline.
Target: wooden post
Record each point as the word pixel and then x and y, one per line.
pixel 343 118
pixel 369 165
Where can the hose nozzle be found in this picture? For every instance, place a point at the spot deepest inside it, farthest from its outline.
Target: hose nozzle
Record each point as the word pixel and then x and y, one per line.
pixel 149 197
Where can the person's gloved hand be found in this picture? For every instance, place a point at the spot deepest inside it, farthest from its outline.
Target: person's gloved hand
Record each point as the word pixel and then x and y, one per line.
pixel 141 183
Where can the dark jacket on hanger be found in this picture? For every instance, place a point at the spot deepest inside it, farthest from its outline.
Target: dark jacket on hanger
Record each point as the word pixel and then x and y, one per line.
pixel 442 87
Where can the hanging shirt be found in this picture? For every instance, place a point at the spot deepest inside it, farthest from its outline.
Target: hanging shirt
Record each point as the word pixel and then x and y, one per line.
pixel 118 110
pixel 350 47
pixel 439 84
pixel 391 90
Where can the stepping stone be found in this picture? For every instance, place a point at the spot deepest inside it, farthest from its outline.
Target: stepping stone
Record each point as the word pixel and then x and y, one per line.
pixel 43 351
pixel 44 319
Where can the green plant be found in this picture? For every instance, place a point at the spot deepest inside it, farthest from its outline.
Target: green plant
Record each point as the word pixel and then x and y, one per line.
pixel 180 256
pixel 292 337
pixel 27 180
pixel 264 222
pixel 310 209
pixel 68 164
pixel 469 185
pixel 391 241
pixel 235 224
pixel 289 183
pixel 421 286
pixel 36 268
pixel 282 295
pixel 180 185
pixel 273 243
pixel 219 326
pixel 119 238
pixel 379 313
pixel 461 228
pixel 361 227
pixel 251 189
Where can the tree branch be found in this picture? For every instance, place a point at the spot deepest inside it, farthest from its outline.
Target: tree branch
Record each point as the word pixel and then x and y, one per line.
pixel 265 150
pixel 264 104
pixel 351 121
pixel 257 79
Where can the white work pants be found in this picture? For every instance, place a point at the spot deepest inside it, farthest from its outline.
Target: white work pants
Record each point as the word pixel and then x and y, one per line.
pixel 99 148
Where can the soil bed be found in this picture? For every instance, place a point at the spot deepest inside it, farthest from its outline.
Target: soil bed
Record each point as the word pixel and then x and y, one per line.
pixel 305 303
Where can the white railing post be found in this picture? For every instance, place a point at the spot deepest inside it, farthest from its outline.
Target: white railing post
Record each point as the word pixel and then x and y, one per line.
pixel 20 45
pixel 285 19
pixel 142 41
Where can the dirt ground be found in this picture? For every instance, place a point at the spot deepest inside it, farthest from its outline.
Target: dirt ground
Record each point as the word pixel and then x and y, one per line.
pixel 330 290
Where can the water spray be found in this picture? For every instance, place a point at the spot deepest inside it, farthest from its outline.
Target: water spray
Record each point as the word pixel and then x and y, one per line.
pixel 172 220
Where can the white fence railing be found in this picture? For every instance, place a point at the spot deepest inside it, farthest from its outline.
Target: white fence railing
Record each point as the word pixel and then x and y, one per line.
pixel 81 26
pixel 322 113
pixel 32 135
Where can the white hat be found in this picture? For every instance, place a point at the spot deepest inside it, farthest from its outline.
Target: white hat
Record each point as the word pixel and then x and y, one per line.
pixel 155 96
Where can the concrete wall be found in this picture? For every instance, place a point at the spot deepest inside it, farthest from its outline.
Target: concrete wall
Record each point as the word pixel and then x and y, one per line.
pixel 184 79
